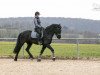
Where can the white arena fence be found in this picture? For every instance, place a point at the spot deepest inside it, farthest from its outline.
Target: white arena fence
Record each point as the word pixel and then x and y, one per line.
pixel 7 45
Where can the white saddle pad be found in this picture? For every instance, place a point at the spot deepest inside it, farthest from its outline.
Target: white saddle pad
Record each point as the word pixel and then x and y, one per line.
pixel 33 34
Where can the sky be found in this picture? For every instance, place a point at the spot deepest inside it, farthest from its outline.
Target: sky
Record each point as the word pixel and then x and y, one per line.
pixel 50 8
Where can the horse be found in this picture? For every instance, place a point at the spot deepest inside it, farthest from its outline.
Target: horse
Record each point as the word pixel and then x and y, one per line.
pixel 48 33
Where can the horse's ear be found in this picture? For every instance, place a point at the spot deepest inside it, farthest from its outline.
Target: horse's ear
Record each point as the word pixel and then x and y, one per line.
pixel 59 24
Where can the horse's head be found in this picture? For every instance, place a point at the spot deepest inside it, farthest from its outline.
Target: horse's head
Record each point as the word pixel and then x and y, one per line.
pixel 57 30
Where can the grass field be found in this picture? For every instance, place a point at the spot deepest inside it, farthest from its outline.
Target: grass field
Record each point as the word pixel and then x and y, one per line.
pixel 64 51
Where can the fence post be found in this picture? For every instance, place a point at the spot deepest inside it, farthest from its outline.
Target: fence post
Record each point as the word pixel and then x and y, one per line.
pixel 77 42
pixel 23 51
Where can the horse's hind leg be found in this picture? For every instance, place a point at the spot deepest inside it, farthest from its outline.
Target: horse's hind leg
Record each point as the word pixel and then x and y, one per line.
pixel 16 56
pixel 19 47
pixel 27 49
pixel 39 58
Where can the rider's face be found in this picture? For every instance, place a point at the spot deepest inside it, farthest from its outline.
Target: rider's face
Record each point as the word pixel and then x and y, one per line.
pixel 37 15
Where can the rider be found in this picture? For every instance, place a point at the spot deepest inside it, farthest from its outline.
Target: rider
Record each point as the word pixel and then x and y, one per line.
pixel 38 26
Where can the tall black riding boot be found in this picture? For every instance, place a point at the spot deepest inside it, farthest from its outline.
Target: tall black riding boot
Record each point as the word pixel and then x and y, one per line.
pixel 39 40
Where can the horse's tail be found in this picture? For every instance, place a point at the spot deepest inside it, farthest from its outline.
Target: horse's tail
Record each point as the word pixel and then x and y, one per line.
pixel 17 47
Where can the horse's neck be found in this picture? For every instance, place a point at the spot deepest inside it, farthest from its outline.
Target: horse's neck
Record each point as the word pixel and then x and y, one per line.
pixel 48 33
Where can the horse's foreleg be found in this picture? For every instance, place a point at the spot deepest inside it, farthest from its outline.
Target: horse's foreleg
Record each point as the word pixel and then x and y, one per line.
pixel 27 49
pixel 52 50
pixel 43 48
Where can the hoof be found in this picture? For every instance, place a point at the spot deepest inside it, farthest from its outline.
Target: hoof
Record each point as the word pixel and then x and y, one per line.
pixel 31 58
pixel 39 60
pixel 15 59
pixel 53 58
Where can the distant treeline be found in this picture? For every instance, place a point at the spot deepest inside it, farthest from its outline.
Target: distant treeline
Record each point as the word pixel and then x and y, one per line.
pixel 71 27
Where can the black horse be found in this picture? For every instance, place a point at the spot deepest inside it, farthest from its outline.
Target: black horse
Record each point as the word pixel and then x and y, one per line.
pixel 48 33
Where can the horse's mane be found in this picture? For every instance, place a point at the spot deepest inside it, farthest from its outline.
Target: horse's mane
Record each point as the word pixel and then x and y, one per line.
pixel 50 26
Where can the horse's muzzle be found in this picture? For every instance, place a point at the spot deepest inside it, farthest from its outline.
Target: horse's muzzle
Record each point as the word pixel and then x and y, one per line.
pixel 59 36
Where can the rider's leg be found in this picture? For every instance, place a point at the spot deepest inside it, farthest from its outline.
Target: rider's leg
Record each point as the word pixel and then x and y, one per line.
pixel 39 35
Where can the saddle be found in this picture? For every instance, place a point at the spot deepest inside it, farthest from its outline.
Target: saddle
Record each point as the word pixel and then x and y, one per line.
pixel 34 34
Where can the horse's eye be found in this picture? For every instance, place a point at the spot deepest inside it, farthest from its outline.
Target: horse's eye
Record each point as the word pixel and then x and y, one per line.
pixel 58 28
